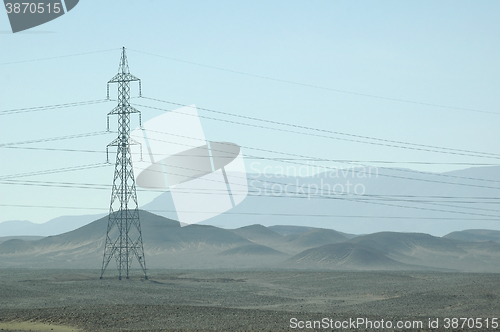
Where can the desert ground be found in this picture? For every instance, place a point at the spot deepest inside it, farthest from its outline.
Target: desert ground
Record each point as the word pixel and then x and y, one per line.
pixel 243 300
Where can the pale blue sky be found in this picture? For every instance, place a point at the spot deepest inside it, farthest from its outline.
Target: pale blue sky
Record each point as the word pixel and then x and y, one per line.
pixel 443 53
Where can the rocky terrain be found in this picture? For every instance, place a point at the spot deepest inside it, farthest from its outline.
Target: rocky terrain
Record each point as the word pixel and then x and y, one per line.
pixel 229 300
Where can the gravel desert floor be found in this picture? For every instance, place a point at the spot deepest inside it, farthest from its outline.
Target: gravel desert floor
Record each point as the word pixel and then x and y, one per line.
pixel 248 300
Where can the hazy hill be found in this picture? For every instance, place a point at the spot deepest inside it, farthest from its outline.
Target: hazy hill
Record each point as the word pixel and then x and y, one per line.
pixel 393 242
pixel 165 242
pixel 315 238
pixel 167 245
pixel 16 246
pixel 24 238
pixel 431 251
pixel 19 227
pixel 287 229
pixel 258 233
pixel 408 251
pixel 293 242
pixel 252 249
pixel 345 256
pixel 52 227
pixel 475 235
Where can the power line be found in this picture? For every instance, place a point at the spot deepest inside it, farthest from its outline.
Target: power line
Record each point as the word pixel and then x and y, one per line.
pixel 320 87
pixel 490 156
pixel 475 153
pixel 256 213
pixel 402 206
pixel 419 208
pixel 261 77
pixel 277 152
pixel 56 57
pixel 296 155
pixel 356 199
pixel 407 206
pixel 466 152
pixel 343 197
pixel 363 199
pixel 54 171
pixel 60 138
pixel 393 176
pixel 51 207
pixel 335 169
pixel 345 161
pixel 50 107
pixel 52 149
pixel 322 130
pixel 407 198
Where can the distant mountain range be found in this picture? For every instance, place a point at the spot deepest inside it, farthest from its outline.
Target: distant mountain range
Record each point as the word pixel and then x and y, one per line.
pixel 167 245
pixel 475 235
pixel 52 227
pixel 399 200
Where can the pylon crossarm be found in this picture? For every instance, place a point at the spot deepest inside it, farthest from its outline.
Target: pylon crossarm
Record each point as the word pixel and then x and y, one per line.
pixel 123 77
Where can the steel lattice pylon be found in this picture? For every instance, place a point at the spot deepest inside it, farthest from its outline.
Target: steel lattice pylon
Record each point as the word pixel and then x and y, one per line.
pixel 123 236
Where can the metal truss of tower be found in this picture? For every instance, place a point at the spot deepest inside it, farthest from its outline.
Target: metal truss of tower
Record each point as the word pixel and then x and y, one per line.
pixel 123 236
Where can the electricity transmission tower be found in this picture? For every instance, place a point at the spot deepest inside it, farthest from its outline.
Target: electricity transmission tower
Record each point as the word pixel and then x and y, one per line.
pixel 123 236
